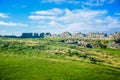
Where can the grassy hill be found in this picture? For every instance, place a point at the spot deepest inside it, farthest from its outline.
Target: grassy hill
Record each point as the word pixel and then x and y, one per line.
pixel 51 59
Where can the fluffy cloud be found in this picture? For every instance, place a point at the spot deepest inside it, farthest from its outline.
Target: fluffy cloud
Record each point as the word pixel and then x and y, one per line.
pixel 79 20
pixel 97 2
pixel 66 14
pixel 83 2
pixel 52 12
pixel 61 1
pixel 2 23
pixel 5 32
pixel 3 15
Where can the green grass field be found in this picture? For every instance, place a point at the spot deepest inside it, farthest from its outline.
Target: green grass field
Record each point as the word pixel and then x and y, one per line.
pixel 47 59
pixel 35 68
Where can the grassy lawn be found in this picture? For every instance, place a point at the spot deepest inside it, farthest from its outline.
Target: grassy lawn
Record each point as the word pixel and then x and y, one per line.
pixel 51 59
pixel 16 67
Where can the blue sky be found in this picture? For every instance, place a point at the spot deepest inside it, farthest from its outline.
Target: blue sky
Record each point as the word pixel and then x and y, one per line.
pixel 57 16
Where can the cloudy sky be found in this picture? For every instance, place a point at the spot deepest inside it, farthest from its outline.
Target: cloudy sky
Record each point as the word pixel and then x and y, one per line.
pixel 56 16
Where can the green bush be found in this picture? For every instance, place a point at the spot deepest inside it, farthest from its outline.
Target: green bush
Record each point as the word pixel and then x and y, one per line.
pixel 83 55
pixel 103 46
pixel 73 53
pixel 95 59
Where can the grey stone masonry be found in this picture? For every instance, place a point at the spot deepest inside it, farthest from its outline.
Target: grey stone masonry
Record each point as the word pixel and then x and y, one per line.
pixel 65 35
pixel 78 35
pixel 95 35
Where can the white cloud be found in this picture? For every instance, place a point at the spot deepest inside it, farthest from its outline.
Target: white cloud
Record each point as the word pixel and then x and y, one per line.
pixel 2 23
pixel 79 20
pixel 54 12
pixel 53 23
pixel 61 1
pixel 3 15
pixel 66 14
pixel 5 32
pixel 97 2
pixel 35 17
pixel 49 1
pixel 82 2
pixel 48 14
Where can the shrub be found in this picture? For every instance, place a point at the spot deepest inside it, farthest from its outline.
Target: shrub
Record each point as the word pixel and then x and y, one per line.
pixel 103 46
pixel 83 55
pixel 72 46
pixel 95 59
pixel 89 46
pixel 73 52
